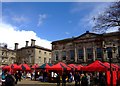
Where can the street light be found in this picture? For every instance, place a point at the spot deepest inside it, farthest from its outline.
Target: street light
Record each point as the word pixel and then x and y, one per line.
pixel 113 48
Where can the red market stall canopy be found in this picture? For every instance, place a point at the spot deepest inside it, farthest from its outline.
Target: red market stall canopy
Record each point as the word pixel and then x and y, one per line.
pixel 113 66
pixel 6 67
pixel 60 66
pixel 95 66
pixel 35 66
pixel 73 66
pixel 25 67
pixel 45 66
pixel 79 67
pixel 11 67
pixel 1 66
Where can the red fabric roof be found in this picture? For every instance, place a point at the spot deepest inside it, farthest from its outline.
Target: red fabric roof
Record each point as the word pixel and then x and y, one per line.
pixel 35 66
pixel 114 67
pixel 60 66
pixel 79 67
pixel 11 67
pixel 24 67
pixel 95 66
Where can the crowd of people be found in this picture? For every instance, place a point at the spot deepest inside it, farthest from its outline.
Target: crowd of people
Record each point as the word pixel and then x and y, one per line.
pixel 79 78
pixel 82 79
pixel 11 79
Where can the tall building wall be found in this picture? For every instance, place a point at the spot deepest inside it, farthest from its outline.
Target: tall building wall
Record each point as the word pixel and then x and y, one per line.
pixel 87 48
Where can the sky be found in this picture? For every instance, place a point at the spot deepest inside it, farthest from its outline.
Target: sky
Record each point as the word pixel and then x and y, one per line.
pixel 46 21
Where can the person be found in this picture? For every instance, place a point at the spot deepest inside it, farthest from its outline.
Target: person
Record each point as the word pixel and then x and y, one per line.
pixel 9 79
pixel 3 78
pixel 103 80
pixel 19 75
pixel 78 78
pixel 70 77
pixel 58 79
pixel 88 78
pixel 16 77
pixel 75 78
pixel 44 76
pixel 64 79
pixel 84 81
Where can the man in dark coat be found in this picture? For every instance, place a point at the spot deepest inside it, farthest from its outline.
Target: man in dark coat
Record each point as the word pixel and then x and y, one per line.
pixel 16 77
pixel 58 79
pixel 64 79
pixel 9 79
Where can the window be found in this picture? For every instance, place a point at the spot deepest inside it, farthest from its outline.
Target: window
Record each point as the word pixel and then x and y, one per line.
pixel 56 55
pixel 49 60
pixel 72 54
pixel 39 51
pixel 89 53
pixel 119 51
pixel 44 52
pixel 99 53
pixel 64 55
pixel 12 53
pixel 45 60
pixel 39 59
pixel 80 54
pixel 2 53
pixel 109 52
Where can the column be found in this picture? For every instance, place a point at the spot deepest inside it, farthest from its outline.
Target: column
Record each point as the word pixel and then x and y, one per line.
pixel 104 51
pixel 76 53
pixel 60 55
pixel 94 54
pixel 84 49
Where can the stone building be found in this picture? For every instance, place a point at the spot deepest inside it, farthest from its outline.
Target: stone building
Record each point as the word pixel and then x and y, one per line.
pixel 7 56
pixel 87 48
pixel 32 54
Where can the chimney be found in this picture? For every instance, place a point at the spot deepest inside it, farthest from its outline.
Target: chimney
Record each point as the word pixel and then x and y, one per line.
pixel 16 46
pixel 26 44
pixel 33 42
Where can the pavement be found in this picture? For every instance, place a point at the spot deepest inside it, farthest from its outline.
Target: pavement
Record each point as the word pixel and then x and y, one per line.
pixel 28 82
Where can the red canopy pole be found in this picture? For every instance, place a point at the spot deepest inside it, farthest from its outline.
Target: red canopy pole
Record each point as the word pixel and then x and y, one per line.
pixel 108 78
pixel 114 77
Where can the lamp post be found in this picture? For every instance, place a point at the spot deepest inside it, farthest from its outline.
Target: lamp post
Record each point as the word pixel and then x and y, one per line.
pixel 113 48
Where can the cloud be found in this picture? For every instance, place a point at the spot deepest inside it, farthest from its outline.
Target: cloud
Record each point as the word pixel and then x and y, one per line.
pixel 87 21
pixel 67 33
pixel 42 17
pixel 77 7
pixel 19 19
pixel 10 35
pixel 113 29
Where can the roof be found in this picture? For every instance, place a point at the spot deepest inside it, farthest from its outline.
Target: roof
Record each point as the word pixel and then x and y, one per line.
pixel 36 46
pixel 112 34
pixel 71 39
pixel 87 32
pixel 6 49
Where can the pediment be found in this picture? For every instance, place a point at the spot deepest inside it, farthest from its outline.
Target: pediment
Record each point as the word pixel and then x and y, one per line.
pixel 87 35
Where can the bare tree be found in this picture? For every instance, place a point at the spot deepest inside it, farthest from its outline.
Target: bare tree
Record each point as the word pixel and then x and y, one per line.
pixel 110 18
